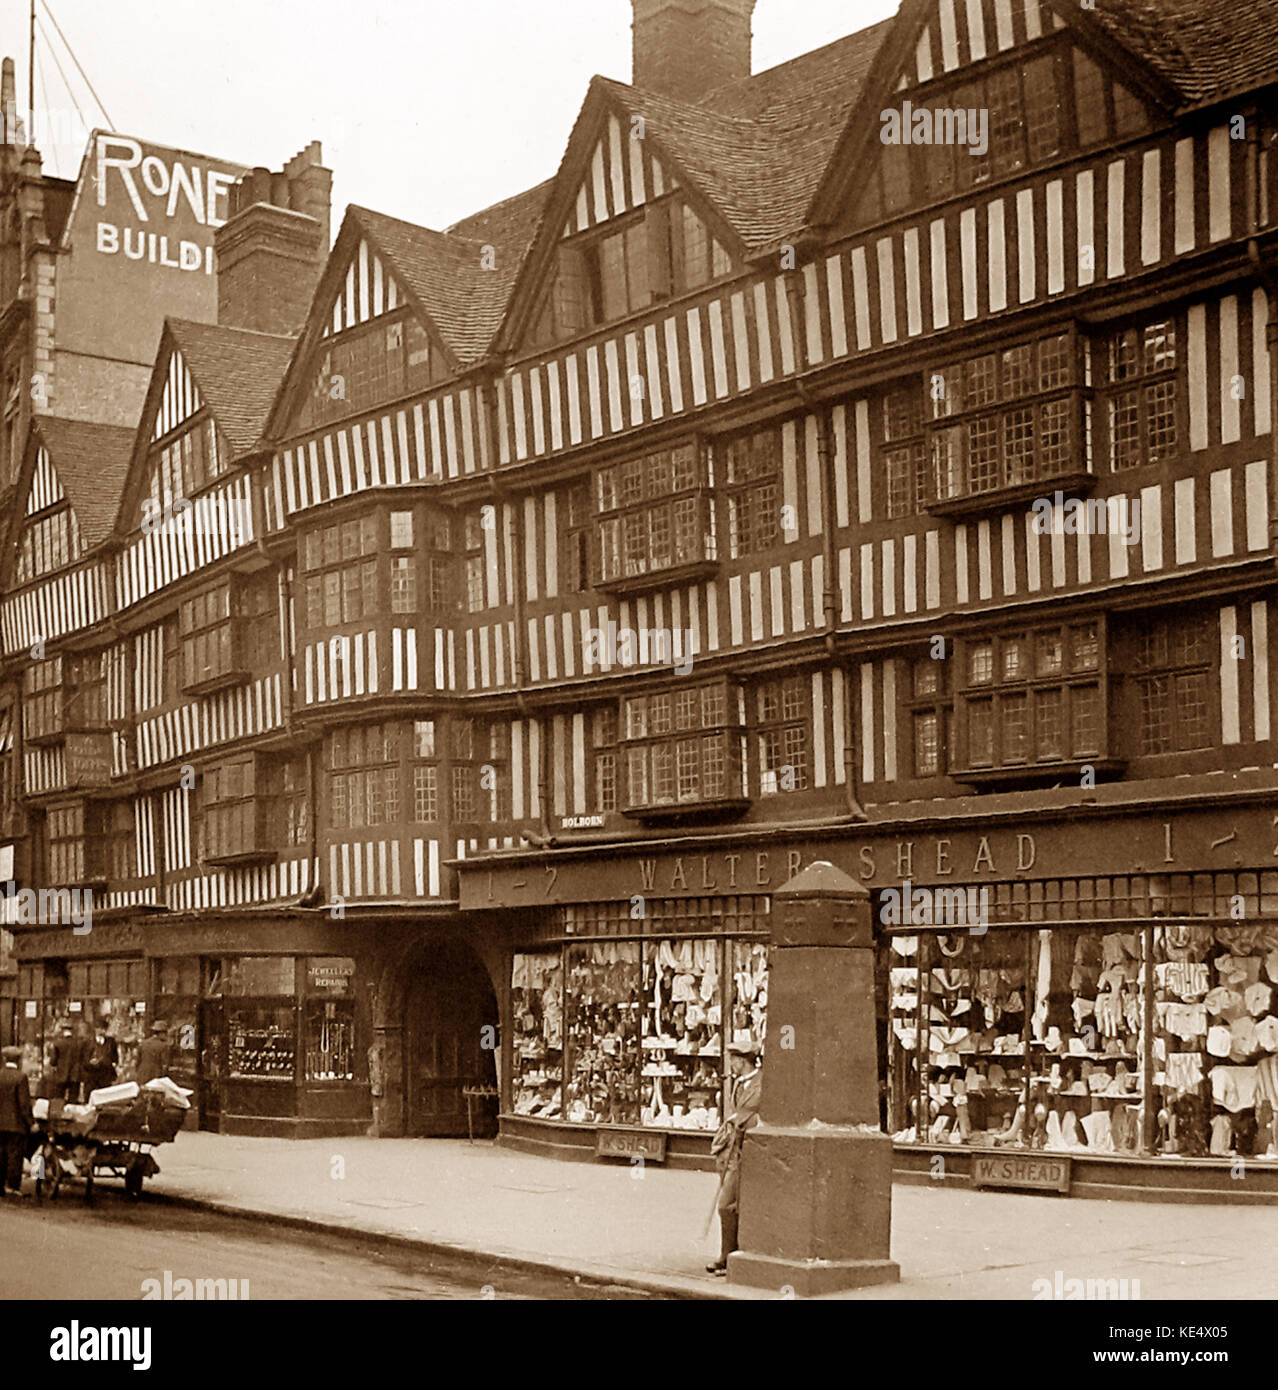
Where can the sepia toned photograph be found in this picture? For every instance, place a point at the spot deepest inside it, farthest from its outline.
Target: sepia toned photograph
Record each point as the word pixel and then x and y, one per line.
pixel 635 665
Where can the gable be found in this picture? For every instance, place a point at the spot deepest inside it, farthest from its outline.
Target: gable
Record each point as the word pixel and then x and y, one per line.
pixel 50 535
pixel 957 33
pixel 970 126
pixel 623 173
pixel 368 290
pixel 179 400
pixel 634 232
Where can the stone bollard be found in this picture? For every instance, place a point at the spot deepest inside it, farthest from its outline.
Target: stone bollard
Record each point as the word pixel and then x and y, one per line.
pixel 816 1172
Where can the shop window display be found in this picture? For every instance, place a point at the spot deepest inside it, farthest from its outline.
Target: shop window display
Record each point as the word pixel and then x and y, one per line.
pixel 973 991
pixel 1215 1050
pixel 537 1022
pixel 636 1032
pixel 682 1034
pixel 330 1040
pixel 602 1031
pixel 1086 1046
pixel 262 1041
pixel 749 968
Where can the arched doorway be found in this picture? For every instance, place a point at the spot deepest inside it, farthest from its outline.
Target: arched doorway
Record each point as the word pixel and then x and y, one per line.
pixel 450 1034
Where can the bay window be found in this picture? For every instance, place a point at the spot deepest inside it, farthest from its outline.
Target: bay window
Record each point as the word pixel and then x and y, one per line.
pixel 1032 698
pixel 682 748
pixel 655 518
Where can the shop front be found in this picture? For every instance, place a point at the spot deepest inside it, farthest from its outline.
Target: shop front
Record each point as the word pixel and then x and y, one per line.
pixel 269 1042
pixel 1081 1002
pixel 621 1018
pixel 278 1051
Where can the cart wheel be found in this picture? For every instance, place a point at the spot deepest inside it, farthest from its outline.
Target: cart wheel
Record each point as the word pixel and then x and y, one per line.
pixel 133 1181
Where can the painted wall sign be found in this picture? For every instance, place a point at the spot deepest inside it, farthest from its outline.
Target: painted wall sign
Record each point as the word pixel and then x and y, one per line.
pixel 1021 1170
pixel 141 237
pixel 88 760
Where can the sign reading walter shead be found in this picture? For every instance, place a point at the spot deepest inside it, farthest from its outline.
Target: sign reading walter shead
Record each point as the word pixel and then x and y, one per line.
pixel 1213 839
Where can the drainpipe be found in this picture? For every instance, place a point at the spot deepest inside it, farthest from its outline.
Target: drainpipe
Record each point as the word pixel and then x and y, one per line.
pixel 1256 218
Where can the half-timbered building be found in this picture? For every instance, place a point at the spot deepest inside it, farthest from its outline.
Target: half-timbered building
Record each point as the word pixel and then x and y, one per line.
pixel 866 460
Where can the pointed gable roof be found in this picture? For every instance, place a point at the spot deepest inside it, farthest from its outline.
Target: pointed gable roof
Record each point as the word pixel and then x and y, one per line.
pixel 237 371
pixel 1205 49
pixel 449 277
pixel 92 465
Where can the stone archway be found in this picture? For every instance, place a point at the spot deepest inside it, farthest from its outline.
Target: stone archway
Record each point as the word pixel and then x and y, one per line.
pixel 433 1001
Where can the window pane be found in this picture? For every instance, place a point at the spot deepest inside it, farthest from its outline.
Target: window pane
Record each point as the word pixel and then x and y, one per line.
pixel 1014 710
pixel 927 745
pixel 980 663
pixel 1047 720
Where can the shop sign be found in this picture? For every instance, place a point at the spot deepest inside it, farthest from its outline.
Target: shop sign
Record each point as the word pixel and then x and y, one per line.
pixel 582 823
pixel 630 1143
pixel 1199 840
pixel 88 760
pixel 74 1007
pixel 30 1009
pixel 330 973
pixel 1035 1171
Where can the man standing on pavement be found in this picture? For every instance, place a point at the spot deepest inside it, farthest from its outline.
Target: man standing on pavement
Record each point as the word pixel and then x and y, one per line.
pixel 64 1065
pixel 15 1120
pixel 102 1057
pixel 153 1055
pixel 744 1088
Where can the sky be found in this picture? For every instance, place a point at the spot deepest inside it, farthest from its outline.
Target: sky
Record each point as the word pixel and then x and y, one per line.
pixel 426 109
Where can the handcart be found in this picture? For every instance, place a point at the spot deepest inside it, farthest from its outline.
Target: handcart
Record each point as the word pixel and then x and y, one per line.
pixel 114 1140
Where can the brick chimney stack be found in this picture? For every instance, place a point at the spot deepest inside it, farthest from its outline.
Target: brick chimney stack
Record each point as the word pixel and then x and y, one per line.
pixel 686 48
pixel 273 247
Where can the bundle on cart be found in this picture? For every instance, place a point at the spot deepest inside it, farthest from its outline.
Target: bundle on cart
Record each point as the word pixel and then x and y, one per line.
pixel 154 1111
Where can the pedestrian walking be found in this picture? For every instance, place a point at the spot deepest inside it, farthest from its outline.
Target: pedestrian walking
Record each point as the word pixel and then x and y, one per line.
pixel 153 1054
pixel 101 1062
pixel 15 1119
pixel 744 1088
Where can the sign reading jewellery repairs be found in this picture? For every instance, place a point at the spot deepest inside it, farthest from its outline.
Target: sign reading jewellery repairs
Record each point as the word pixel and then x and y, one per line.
pixel 1200 840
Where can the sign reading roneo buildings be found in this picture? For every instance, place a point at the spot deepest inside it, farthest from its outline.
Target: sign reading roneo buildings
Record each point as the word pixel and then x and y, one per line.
pixel 162 188
pixel 137 247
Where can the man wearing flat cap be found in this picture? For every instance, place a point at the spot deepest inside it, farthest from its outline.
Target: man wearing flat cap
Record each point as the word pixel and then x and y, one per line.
pixel 743 1089
pixel 15 1119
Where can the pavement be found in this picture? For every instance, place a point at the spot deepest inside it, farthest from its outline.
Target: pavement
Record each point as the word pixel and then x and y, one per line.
pixel 646 1228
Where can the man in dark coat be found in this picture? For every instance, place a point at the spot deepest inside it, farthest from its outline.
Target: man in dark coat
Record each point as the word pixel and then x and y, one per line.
pixel 153 1055
pixel 744 1088
pixel 64 1064
pixel 15 1120
pixel 102 1057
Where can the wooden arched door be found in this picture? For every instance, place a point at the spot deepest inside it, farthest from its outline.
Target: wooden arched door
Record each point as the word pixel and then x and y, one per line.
pixel 450 1030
